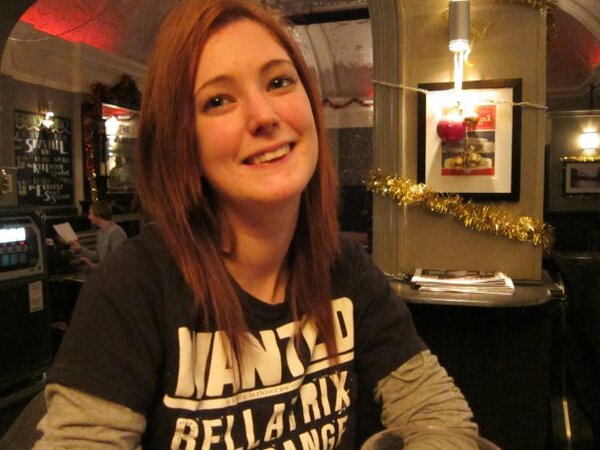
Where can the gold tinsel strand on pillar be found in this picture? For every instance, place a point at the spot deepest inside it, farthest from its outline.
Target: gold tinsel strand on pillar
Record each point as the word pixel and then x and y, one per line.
pixel 477 217
pixel 88 153
pixel 4 182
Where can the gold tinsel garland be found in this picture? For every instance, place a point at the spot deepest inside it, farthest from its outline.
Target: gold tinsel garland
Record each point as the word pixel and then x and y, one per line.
pixel 580 158
pixel 88 153
pixel 4 182
pixel 477 217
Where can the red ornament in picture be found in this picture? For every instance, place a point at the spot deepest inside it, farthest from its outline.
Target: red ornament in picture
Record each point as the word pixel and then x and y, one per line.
pixel 451 129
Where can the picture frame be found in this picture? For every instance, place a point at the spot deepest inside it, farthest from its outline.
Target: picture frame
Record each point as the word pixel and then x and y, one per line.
pixel 494 171
pixel 581 177
pixel 44 160
pixel 120 129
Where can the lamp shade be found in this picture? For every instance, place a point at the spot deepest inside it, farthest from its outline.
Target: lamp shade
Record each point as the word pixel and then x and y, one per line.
pixel 48 120
pixel 459 25
pixel 589 140
pixel 111 125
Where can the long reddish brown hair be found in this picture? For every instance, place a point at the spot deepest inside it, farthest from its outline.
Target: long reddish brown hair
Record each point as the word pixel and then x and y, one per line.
pixel 178 199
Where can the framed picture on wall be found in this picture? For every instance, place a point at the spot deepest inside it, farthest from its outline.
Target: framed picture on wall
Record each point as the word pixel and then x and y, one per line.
pixel 120 128
pixel 484 163
pixel 581 177
pixel 43 157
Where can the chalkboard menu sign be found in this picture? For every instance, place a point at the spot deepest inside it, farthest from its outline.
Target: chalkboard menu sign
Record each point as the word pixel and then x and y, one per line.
pixel 44 160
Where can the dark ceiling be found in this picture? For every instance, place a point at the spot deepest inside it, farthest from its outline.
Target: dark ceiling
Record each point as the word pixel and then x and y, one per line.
pixel 127 28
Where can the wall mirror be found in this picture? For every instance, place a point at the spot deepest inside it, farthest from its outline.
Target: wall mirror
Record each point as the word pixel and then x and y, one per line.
pixel 110 123
pixel 120 127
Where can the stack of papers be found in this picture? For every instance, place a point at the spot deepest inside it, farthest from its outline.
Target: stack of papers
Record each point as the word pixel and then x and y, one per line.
pixel 65 231
pixel 466 281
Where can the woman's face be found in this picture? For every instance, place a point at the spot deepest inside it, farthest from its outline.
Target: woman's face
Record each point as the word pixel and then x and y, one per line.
pixel 254 123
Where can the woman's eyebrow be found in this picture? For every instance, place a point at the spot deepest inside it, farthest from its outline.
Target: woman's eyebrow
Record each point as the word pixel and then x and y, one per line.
pixel 214 80
pixel 224 78
pixel 274 63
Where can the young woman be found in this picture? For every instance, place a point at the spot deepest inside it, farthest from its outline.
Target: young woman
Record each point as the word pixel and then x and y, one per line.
pixel 238 318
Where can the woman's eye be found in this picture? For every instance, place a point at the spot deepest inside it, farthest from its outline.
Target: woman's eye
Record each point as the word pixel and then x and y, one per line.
pixel 215 102
pixel 281 82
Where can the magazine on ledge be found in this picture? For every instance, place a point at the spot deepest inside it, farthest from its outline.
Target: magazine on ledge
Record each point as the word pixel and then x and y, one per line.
pixel 466 281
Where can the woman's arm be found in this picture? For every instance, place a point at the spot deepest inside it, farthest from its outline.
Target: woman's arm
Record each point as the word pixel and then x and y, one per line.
pixel 420 392
pixel 77 420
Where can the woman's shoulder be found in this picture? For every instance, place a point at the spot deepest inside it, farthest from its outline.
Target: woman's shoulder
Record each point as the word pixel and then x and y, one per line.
pixel 351 252
pixel 139 275
pixel 142 256
pixel 353 266
pixel 146 244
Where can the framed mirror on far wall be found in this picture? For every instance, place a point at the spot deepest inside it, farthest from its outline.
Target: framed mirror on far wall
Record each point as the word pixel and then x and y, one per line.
pixel 120 127
pixel 110 126
pixel 581 177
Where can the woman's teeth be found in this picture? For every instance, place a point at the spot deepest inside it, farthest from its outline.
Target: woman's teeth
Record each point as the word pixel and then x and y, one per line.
pixel 270 156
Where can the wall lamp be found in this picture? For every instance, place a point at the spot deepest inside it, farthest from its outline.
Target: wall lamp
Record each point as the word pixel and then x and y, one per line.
pixel 452 128
pixel 459 37
pixel 589 141
pixel 48 120
pixel 111 126
pixel 459 25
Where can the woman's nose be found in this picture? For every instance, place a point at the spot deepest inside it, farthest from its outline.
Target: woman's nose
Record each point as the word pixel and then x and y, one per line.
pixel 262 115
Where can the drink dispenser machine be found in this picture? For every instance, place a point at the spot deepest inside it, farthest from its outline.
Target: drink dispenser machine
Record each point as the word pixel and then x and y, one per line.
pixel 25 340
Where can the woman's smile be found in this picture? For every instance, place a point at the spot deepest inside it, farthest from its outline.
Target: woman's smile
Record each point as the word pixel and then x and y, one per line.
pixel 269 156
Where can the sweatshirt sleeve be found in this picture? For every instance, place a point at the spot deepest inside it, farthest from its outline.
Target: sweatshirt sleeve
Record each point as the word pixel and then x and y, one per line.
pixel 92 254
pixel 76 420
pixel 420 392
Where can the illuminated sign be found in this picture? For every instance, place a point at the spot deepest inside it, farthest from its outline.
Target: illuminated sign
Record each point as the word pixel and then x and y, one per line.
pixel 12 235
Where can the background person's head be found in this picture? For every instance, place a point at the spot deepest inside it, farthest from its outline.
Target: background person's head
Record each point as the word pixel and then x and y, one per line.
pixel 100 210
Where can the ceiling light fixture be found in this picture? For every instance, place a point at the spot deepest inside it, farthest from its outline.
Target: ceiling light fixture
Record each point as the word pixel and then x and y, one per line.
pixel 459 37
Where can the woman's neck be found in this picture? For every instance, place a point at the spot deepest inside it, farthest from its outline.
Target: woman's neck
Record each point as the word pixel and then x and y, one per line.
pixel 258 257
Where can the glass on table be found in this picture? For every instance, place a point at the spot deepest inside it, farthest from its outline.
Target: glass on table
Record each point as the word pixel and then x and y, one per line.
pixel 427 438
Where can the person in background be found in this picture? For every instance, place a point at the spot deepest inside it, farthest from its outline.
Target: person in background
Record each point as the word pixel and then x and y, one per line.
pixel 238 317
pixel 119 177
pixel 110 235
